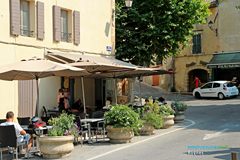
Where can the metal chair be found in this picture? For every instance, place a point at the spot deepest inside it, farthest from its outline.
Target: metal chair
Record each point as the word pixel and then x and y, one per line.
pixel 98 126
pixel 45 113
pixel 8 138
pixel 84 128
pixel 45 119
pixel 3 120
pixel 23 120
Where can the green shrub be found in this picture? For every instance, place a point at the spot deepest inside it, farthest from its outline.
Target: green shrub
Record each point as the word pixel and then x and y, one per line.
pixel 123 116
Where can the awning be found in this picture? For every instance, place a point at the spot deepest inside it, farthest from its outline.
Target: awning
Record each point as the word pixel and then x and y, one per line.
pixel 67 57
pixel 225 60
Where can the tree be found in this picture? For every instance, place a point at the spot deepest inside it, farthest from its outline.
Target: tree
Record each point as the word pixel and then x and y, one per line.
pixel 152 30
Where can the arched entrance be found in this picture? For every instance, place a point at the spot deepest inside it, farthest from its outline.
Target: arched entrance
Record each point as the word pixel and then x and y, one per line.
pixel 201 74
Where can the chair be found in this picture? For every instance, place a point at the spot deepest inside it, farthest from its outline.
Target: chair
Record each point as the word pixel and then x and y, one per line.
pixel 23 120
pixel 3 120
pixel 8 138
pixel 45 119
pixel 98 126
pixel 82 115
pixel 45 113
pixel 82 128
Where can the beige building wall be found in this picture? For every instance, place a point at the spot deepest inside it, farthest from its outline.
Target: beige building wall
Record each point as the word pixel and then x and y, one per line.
pixel 210 45
pixel 96 33
pixel 164 80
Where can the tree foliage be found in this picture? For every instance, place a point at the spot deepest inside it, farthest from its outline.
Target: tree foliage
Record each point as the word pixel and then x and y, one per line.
pixel 156 29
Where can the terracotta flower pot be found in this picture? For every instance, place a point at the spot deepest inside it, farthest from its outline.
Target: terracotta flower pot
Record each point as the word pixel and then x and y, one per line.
pixel 168 121
pixel 116 135
pixel 147 129
pixel 55 147
pixel 179 117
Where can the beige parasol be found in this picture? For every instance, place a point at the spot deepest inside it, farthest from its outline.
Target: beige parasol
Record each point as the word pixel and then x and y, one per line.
pixel 36 68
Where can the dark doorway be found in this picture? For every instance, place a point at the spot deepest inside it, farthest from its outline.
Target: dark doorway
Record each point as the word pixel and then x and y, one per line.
pixel 201 74
pixel 227 74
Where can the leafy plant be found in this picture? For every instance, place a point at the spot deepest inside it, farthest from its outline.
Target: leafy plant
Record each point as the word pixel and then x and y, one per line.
pixel 178 105
pixel 123 116
pixel 166 110
pixel 152 30
pixel 150 115
pixel 63 126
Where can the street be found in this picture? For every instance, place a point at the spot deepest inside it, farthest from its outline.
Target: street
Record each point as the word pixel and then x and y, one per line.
pixel 209 122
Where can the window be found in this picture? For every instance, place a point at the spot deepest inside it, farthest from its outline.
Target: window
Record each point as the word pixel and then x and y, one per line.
pixel 24 19
pixel 216 85
pixel 64 25
pixel 229 84
pixel 196 48
pixel 206 86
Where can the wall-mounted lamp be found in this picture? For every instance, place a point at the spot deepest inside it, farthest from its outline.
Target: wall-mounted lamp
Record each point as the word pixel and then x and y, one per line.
pixel 113 16
pixel 128 4
pixel 210 25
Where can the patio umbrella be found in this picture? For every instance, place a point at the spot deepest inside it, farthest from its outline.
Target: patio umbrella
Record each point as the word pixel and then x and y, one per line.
pixel 36 68
pixel 97 69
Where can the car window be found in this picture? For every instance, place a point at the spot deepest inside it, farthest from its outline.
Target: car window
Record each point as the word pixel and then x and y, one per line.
pixel 216 85
pixel 206 86
pixel 229 84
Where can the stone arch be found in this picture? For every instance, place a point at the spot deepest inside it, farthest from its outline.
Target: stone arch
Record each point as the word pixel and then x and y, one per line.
pixel 189 69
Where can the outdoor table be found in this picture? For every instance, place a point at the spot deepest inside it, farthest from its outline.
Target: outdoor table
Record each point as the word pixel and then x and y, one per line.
pixel 39 132
pixel 91 120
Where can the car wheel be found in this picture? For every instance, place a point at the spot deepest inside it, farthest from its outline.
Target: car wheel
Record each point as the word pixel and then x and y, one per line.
pixel 197 95
pixel 220 96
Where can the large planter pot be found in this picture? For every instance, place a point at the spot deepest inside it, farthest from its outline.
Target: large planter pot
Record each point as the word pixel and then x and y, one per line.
pixel 168 121
pixel 55 147
pixel 147 129
pixel 179 117
pixel 116 135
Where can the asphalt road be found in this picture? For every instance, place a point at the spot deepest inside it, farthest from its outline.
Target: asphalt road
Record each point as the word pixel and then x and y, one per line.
pixel 209 122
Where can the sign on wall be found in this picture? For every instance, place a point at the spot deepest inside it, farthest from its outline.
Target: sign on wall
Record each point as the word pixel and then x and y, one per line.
pixel 109 48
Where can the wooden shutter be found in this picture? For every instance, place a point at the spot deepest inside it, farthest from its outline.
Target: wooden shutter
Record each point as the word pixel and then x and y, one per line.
pixel 199 43
pixel 40 20
pixel 27 98
pixel 76 27
pixel 56 23
pixel 15 17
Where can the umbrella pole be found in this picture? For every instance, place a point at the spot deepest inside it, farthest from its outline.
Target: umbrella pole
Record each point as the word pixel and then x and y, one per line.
pixel 115 88
pixel 83 95
pixel 140 96
pixel 37 104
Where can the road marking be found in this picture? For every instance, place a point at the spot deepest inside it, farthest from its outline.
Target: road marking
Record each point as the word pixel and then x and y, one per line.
pixel 152 137
pixel 209 136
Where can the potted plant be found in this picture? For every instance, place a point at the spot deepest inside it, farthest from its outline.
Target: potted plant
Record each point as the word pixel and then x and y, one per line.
pixel 58 143
pixel 179 108
pixel 167 114
pixel 122 123
pixel 149 117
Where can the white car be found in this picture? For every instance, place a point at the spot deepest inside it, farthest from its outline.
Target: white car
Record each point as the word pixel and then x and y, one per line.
pixel 220 89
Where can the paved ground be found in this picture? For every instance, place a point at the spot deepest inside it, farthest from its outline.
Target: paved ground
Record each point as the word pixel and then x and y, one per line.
pixel 209 122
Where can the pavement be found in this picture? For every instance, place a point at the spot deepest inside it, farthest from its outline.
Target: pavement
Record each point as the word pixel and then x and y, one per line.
pixel 209 122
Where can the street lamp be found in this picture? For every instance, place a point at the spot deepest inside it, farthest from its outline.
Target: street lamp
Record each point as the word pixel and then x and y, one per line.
pixel 210 25
pixel 128 4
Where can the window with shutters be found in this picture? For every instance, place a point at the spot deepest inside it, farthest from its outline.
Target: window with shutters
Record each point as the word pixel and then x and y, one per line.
pixel 197 43
pixel 64 26
pixel 25 19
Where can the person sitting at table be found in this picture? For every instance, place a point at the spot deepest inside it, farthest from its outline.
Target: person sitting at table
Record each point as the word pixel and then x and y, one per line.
pixel 146 101
pixel 161 101
pixel 78 105
pixel 22 136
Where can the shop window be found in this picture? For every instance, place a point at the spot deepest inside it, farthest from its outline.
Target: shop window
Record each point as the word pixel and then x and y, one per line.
pixel 25 19
pixel 197 43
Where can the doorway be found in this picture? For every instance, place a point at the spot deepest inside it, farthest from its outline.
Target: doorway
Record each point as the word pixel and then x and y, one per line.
pixel 201 74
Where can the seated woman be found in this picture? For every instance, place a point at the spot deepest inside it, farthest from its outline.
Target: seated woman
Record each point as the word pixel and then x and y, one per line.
pixel 161 101
pixel 146 101
pixel 78 106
